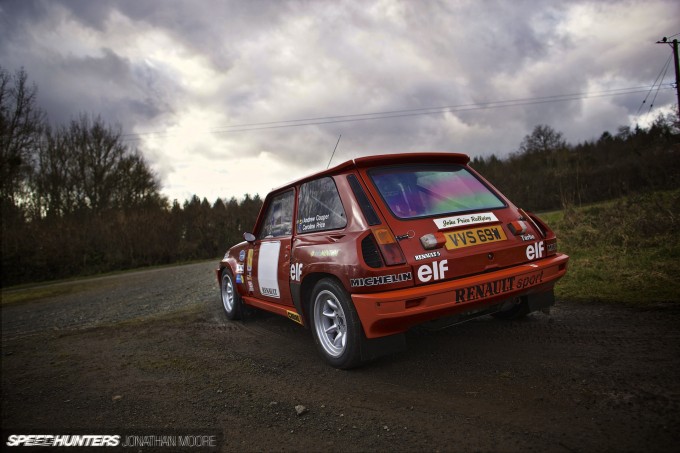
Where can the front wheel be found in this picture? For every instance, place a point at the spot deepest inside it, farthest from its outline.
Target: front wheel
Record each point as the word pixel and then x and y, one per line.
pixel 231 300
pixel 336 326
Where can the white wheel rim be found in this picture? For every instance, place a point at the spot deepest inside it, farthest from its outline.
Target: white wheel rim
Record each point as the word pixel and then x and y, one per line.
pixel 330 323
pixel 227 293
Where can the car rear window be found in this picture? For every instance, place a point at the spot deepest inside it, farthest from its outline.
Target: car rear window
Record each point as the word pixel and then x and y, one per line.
pixel 426 190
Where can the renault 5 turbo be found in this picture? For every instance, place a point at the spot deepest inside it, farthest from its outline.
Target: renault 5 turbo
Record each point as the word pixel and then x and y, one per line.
pixel 362 252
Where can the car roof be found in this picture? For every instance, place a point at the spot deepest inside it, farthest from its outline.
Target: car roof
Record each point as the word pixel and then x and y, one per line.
pixel 382 159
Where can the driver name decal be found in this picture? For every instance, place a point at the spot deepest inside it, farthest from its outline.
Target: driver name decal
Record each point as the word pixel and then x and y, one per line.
pixel 465 220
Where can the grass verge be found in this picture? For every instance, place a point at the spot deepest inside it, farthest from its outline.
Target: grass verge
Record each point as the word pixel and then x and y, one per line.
pixel 625 251
pixel 28 292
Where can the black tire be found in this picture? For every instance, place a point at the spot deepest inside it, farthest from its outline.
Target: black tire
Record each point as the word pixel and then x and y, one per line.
pixel 519 311
pixel 335 325
pixel 231 299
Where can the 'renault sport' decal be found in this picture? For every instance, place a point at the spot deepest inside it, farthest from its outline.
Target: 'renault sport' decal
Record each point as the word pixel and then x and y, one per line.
pixel 496 287
pixel 465 220
pixel 267 268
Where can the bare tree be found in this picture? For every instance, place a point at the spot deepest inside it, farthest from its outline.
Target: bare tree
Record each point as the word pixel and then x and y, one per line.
pixel 86 167
pixel 543 139
pixel 98 150
pixel 21 123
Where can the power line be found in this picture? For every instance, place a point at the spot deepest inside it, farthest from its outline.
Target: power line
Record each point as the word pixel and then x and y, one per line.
pixel 659 78
pixel 424 110
pixel 406 112
pixel 665 70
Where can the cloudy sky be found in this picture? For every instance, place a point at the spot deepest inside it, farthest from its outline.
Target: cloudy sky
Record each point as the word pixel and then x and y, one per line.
pixel 233 97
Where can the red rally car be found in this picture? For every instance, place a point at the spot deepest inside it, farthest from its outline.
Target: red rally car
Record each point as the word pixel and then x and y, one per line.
pixel 363 251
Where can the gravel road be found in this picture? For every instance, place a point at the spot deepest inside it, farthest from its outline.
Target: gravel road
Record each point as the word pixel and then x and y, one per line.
pixel 151 352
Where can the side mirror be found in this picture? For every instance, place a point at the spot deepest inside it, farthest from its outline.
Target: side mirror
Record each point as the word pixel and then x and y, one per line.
pixel 249 237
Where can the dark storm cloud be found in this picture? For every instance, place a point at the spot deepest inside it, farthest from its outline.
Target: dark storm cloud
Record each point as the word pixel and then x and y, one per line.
pixel 101 82
pixel 179 67
pixel 15 13
pixel 89 13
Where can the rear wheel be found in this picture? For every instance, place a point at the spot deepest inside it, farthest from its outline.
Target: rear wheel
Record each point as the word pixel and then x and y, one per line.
pixel 231 300
pixel 335 325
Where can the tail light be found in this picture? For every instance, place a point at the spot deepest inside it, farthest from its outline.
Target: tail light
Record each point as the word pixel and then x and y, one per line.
pixel 389 248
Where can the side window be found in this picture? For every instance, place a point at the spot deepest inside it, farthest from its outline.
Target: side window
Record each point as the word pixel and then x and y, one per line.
pixel 319 207
pixel 279 219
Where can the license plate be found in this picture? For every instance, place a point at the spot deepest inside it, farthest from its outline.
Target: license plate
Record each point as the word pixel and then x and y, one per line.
pixel 474 236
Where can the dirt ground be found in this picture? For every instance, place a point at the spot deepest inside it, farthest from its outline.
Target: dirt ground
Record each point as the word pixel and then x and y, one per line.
pixel 150 352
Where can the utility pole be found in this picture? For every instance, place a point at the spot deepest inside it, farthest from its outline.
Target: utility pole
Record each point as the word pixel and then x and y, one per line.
pixel 674 45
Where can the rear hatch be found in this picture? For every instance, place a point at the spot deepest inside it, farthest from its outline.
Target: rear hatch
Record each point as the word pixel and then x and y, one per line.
pixel 449 221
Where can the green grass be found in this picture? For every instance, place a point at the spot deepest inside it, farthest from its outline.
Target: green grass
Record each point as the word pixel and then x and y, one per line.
pixel 626 250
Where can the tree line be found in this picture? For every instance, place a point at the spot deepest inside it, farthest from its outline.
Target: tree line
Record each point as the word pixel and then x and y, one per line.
pixel 76 200
pixel 548 173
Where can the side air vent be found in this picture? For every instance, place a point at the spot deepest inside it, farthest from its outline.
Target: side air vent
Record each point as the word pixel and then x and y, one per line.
pixel 369 250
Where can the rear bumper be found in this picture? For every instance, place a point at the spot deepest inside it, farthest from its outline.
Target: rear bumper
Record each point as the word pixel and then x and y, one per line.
pixel 393 312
